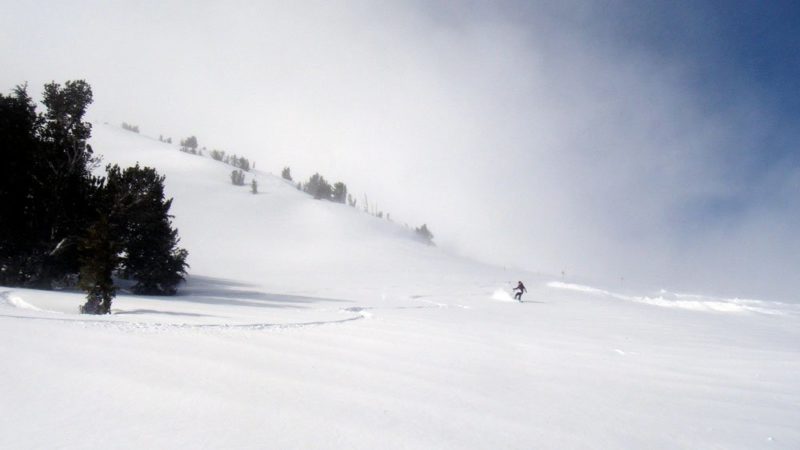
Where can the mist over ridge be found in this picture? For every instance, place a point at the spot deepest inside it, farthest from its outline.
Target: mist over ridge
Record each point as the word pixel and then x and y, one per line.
pixel 534 136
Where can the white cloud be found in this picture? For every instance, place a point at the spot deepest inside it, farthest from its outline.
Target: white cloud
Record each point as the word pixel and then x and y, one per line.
pixel 524 141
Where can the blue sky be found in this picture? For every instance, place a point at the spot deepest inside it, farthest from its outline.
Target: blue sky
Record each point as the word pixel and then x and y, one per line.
pixel 735 49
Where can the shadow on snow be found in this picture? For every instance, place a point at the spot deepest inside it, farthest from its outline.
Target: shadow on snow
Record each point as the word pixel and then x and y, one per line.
pixel 220 291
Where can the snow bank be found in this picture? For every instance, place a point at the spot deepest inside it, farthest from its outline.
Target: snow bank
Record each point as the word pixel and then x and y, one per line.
pixel 692 302
pixel 17 302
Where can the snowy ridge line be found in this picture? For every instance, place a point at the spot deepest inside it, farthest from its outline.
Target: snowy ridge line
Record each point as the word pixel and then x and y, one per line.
pixel 694 302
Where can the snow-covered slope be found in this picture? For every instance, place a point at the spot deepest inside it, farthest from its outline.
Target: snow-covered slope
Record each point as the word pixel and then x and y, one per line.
pixel 308 324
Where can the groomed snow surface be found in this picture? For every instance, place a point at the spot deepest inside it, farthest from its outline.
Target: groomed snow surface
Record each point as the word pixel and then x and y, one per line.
pixel 308 324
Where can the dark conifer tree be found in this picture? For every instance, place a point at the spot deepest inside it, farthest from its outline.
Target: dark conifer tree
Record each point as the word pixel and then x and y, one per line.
pixel 217 155
pixel 47 194
pixel 425 234
pixel 99 258
pixel 237 178
pixel 19 147
pixel 69 190
pixel 189 145
pixel 151 254
pixel 318 187
pixel 339 194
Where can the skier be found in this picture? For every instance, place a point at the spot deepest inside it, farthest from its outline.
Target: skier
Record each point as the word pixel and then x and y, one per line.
pixel 520 289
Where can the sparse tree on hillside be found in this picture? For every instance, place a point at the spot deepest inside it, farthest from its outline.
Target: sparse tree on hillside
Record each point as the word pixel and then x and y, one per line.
pixel 425 234
pixel 318 187
pixel 287 174
pixel 339 192
pixel 240 162
pixel 129 127
pixel 254 186
pixel 217 155
pixel 237 178
pixel 189 145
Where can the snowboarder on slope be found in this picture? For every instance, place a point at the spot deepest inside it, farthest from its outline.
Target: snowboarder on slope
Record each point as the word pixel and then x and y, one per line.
pixel 520 289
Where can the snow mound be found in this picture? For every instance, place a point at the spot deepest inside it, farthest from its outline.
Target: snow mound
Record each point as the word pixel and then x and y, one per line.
pixel 694 302
pixel 502 295
pixel 17 302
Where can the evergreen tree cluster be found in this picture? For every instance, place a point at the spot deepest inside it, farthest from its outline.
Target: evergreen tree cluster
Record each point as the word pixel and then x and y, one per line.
pixel 217 155
pixel 138 212
pixel 189 145
pixel 58 221
pixel 46 185
pixel 161 138
pixel 286 173
pixel 339 194
pixel 237 178
pixel 424 234
pixel 240 162
pixel 129 127
pixel 320 189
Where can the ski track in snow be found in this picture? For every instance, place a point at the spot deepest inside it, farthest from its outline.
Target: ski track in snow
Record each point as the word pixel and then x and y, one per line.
pixel 190 326
pixel 18 303
pixel 361 312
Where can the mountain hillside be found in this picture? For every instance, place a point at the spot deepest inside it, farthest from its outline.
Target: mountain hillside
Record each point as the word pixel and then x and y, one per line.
pixel 309 324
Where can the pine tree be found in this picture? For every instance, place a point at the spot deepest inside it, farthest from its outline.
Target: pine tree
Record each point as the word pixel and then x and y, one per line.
pixel 46 206
pixel 339 194
pixel 425 234
pixel 149 242
pixel 237 178
pixel 254 186
pixel 287 174
pixel 217 155
pixel 318 187
pixel 189 145
pixel 98 261
pixel 20 230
